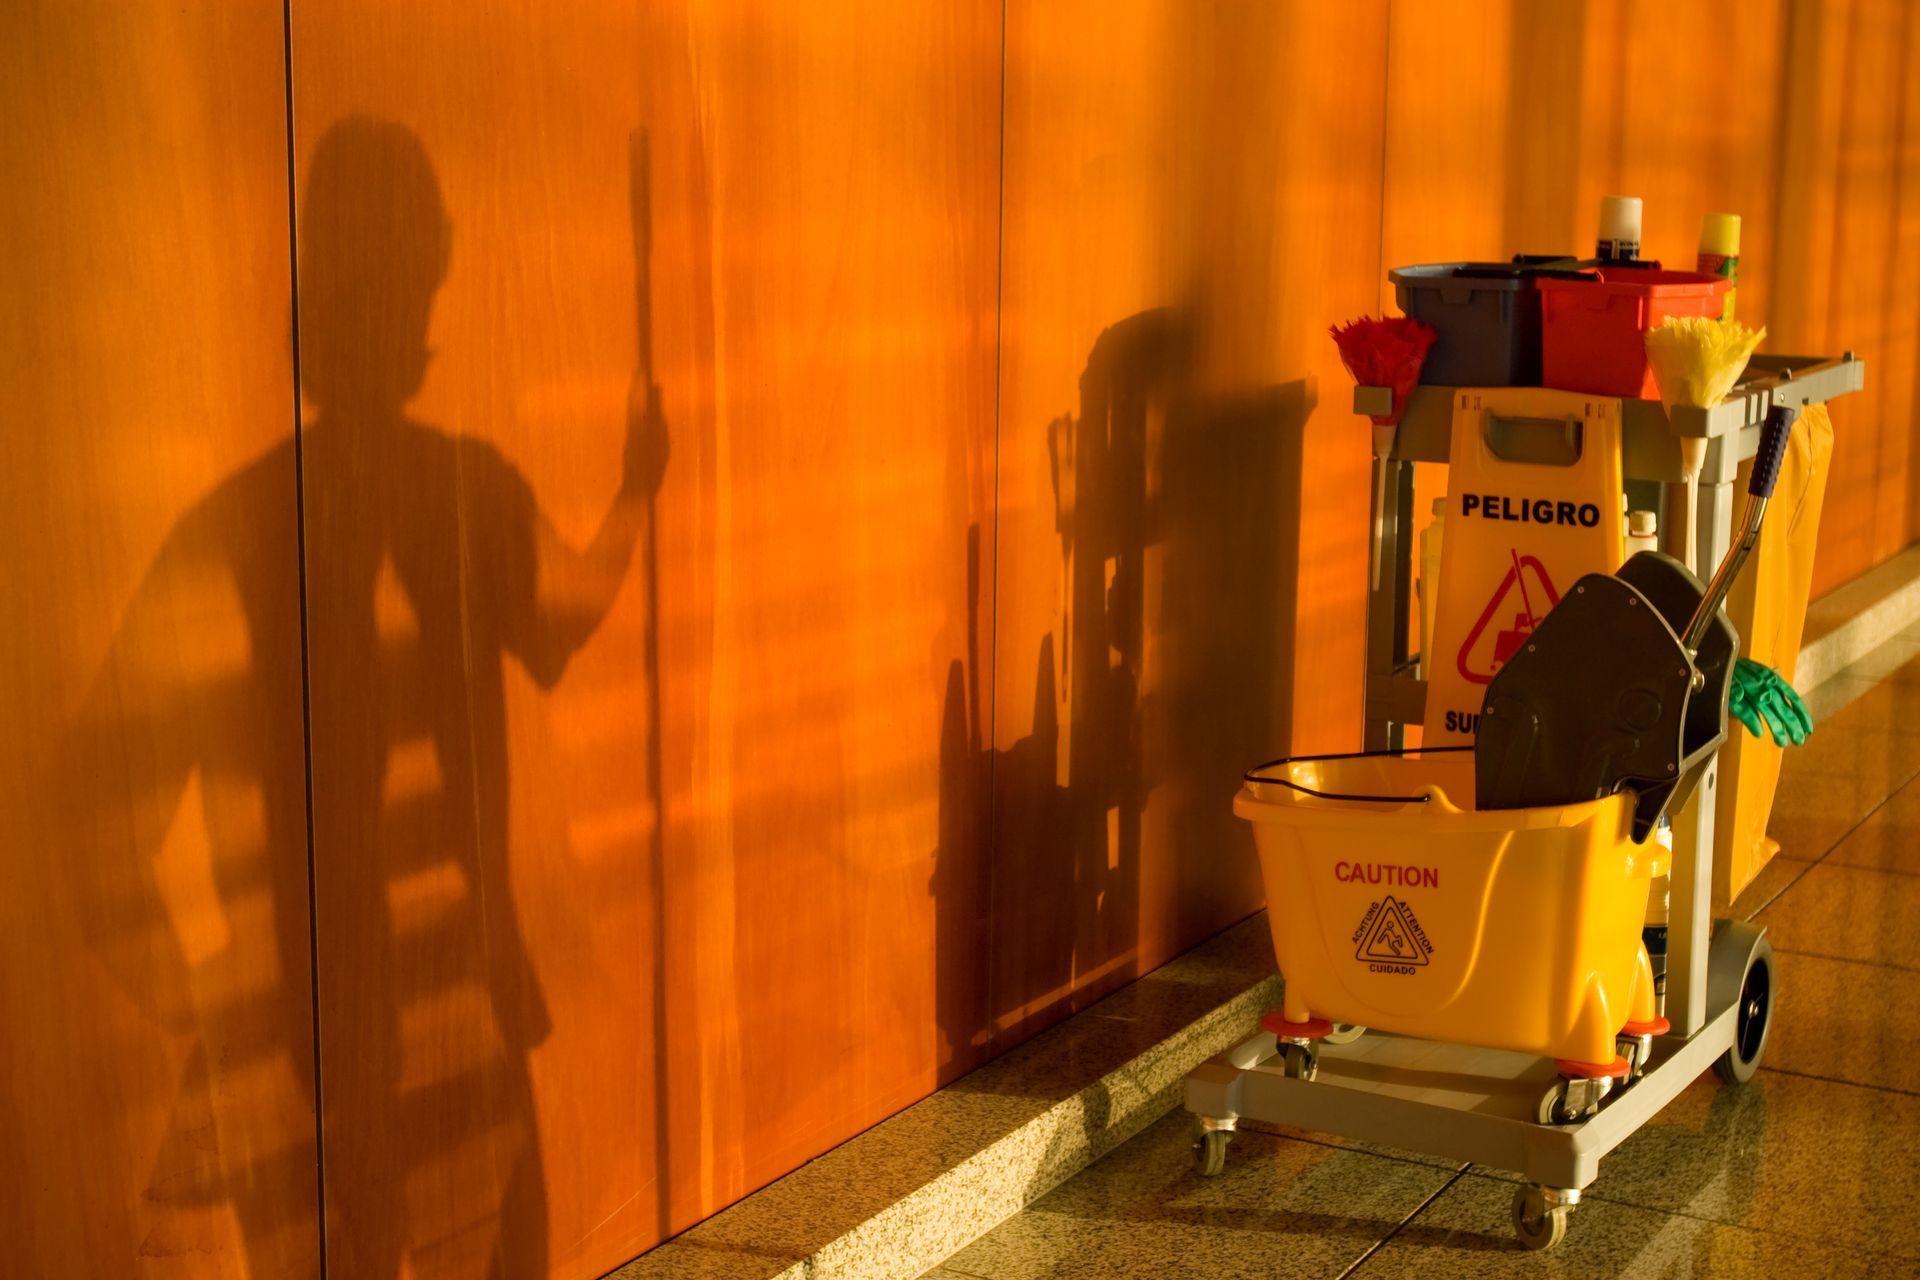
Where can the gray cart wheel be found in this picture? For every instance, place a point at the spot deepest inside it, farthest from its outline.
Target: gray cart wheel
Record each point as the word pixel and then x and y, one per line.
pixel 1537 1224
pixel 1210 1152
pixel 1344 1033
pixel 1298 1061
pixel 1753 1019
pixel 1553 1105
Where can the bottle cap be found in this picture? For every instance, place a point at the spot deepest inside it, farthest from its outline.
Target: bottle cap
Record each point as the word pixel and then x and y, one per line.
pixel 1720 234
pixel 1620 218
pixel 1641 524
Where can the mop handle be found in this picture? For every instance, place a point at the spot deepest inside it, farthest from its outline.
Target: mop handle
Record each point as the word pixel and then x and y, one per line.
pixel 1766 470
pixel 1520 580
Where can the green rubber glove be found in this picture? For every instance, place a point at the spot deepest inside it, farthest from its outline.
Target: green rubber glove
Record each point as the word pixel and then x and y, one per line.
pixel 1759 696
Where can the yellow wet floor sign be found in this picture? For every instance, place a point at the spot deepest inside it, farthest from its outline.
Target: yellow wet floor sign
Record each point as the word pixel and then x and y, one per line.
pixel 1533 503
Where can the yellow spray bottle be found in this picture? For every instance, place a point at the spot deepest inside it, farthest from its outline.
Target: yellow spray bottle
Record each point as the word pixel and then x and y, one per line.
pixel 1720 253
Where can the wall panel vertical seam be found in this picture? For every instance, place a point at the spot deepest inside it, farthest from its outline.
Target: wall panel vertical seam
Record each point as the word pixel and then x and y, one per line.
pixel 990 731
pixel 306 667
pixel 1386 140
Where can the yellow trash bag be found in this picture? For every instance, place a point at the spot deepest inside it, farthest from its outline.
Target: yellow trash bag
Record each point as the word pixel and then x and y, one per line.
pixel 1768 608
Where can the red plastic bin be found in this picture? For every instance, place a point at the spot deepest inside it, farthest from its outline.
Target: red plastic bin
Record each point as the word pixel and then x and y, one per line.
pixel 1592 330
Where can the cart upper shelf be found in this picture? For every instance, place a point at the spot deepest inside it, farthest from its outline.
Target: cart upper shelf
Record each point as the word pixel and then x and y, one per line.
pixel 1650 447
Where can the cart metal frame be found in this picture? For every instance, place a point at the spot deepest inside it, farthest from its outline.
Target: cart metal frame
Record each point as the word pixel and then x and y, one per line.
pixel 1481 1105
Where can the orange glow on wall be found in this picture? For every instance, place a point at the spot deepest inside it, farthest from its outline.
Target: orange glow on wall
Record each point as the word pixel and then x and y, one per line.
pixel 803 513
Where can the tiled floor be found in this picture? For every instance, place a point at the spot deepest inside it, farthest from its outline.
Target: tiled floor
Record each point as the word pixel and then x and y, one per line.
pixel 1813 1169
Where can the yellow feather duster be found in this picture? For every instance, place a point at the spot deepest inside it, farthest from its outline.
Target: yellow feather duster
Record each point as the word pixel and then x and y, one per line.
pixel 1696 361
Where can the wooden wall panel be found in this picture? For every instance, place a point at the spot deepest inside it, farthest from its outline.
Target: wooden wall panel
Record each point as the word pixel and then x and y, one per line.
pixel 1171 567
pixel 559 1018
pixel 828 550
pixel 1854 144
pixel 156 1082
pixel 1897 503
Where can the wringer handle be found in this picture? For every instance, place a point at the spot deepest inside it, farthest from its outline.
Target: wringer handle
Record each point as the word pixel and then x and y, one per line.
pixel 1766 471
pixel 1773 449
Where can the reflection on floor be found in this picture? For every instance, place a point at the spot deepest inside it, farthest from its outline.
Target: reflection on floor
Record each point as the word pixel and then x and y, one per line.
pixel 1813 1169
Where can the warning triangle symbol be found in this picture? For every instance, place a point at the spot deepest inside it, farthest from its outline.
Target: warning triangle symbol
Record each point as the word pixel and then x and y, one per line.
pixel 1515 609
pixel 1392 939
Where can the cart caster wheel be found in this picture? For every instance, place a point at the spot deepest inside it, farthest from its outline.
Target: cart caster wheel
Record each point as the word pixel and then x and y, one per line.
pixel 1345 1033
pixel 1537 1223
pixel 1210 1152
pixel 1298 1060
pixel 1553 1105
pixel 1753 1019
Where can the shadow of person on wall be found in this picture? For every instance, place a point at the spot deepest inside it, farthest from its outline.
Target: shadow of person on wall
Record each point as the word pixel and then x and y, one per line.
pixel 427 564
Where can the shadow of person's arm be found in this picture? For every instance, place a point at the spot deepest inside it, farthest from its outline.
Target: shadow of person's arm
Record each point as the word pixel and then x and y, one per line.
pixel 121 775
pixel 575 589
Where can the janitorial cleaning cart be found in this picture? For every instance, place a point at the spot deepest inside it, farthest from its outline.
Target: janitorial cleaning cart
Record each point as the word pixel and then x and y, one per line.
pixel 1501 946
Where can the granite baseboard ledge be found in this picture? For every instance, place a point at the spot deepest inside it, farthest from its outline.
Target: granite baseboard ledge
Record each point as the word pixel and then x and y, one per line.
pixel 1852 621
pixel 909 1193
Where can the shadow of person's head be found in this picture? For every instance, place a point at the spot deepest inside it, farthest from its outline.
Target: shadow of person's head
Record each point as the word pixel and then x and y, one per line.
pixel 374 241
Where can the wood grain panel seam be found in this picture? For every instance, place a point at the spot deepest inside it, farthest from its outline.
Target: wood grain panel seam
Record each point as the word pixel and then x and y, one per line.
pixel 306 668
pixel 990 731
pixel 1386 144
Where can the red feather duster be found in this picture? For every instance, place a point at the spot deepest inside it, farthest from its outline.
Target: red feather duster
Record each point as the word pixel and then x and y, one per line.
pixel 1384 353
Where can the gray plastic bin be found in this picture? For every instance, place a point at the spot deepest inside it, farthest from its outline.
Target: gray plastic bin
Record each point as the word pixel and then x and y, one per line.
pixel 1488 322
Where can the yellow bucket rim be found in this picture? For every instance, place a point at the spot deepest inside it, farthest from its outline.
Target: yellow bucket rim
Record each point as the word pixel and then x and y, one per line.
pixel 1270 799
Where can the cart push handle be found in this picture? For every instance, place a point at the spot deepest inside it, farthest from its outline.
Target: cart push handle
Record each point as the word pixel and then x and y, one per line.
pixel 1766 471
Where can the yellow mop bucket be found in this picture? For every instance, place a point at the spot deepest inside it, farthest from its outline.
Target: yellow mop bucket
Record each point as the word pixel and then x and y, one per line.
pixel 1395 905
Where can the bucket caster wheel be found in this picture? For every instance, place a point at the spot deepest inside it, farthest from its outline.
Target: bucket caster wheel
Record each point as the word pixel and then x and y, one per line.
pixel 1345 1033
pixel 1635 1044
pixel 1298 1061
pixel 1540 1214
pixel 1210 1141
pixel 1580 1090
pixel 1294 1042
pixel 1573 1101
pixel 1753 1019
